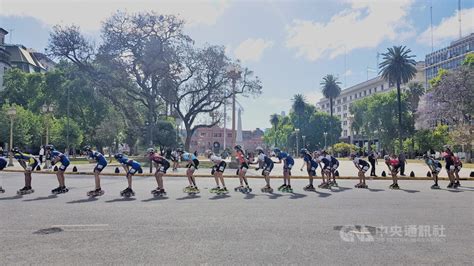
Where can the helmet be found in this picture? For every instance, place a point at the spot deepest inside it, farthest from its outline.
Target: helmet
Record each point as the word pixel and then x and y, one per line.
pixel 304 151
pixel 118 156
pixel 150 150
pixel 276 151
pixel 179 150
pixel 386 157
pixel 214 158
pixel 87 148
pixel 15 150
pixel 49 147
pixel 237 147
pixel 259 149
pixel 324 152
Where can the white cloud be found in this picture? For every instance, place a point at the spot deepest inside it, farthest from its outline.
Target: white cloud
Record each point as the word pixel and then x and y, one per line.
pixel 348 73
pixel 89 14
pixel 364 25
pixel 448 28
pixel 313 97
pixel 252 49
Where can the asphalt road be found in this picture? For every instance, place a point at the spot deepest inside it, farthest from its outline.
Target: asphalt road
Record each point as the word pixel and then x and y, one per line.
pixel 257 228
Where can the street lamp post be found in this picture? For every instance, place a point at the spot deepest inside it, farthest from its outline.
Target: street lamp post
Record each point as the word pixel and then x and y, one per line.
pixel 234 71
pixel 11 113
pixel 47 109
pixel 304 141
pixel 325 140
pixel 297 130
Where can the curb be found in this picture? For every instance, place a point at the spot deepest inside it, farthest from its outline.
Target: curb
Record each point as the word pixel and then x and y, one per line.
pixel 249 176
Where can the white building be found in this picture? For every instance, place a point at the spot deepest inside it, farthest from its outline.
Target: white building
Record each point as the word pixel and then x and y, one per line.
pixel 4 56
pixel 359 91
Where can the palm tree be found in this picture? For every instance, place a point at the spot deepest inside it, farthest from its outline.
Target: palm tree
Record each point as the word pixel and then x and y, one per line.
pixel 299 103
pixel 398 67
pixel 331 89
pixel 274 120
pixel 415 91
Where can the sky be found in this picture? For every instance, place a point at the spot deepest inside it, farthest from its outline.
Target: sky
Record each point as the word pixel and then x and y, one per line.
pixel 289 44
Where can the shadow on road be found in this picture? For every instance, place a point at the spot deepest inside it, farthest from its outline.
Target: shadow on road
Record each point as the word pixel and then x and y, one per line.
pixel 410 190
pixel 322 194
pixel 249 196
pixel 12 197
pixel 340 189
pixel 120 200
pixel 155 198
pixel 89 199
pixel 453 190
pixel 218 197
pixel 189 197
pixel 274 195
pixel 375 189
pixel 42 198
pixel 297 196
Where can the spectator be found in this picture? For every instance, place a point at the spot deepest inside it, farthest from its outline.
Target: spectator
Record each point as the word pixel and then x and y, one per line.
pixel 403 160
pixel 373 161
pixel 41 154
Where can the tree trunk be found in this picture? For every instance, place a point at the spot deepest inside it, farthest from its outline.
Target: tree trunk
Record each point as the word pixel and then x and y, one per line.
pixel 399 116
pixel 189 135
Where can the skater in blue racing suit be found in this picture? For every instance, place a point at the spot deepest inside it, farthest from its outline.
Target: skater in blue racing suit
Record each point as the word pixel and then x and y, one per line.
pixel 311 166
pixel 96 157
pixel 131 167
pixel 288 163
pixel 29 164
pixel 56 157
pixel 3 164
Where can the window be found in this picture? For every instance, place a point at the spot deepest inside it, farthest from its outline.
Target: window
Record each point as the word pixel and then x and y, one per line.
pixel 339 101
pixel 229 135
pixel 344 99
pixel 365 93
pixel 344 123
pixel 350 97
pixel 203 134
pixel 375 89
pixel 381 87
pixel 344 115
pixel 355 96
pixel 345 133
pixel 344 107
pixel 338 109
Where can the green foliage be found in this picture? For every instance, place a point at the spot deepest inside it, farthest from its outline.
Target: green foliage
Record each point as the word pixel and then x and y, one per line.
pixel 469 60
pixel 427 139
pixel 344 149
pixel 377 117
pixel 434 82
pixel 26 128
pixel 59 132
pixel 165 134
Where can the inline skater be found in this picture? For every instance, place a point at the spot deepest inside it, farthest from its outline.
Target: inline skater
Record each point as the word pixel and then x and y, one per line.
pixel 56 157
pixel 218 171
pixel 393 165
pixel 435 168
pixel 450 167
pixel 325 164
pixel 162 165
pixel 97 157
pixel 363 166
pixel 288 163
pixel 242 171
pixel 29 163
pixel 311 166
pixel 3 164
pixel 266 164
pixel 457 169
pixel 192 165
pixel 131 167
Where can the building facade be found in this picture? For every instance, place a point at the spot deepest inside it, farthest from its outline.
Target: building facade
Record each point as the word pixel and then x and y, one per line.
pixel 450 57
pixel 359 91
pixel 4 56
pixel 213 139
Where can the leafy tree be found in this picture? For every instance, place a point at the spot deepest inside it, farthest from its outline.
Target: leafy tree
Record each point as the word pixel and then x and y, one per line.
pixel 344 149
pixel 432 139
pixel 299 103
pixel 26 128
pixel 414 93
pixel 165 134
pixel 274 119
pixel 398 67
pixel 58 130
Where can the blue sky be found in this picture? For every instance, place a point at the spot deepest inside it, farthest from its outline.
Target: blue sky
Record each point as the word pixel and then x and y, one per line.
pixel 290 45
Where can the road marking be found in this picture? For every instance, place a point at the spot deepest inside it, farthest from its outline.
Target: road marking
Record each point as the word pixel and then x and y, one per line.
pixel 80 225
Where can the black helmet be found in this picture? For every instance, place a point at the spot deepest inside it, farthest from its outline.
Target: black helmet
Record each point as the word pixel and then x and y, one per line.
pixel 150 150
pixel 238 147
pixel 276 151
pixel 87 148
pixel 304 151
pixel 118 156
pixel 49 147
